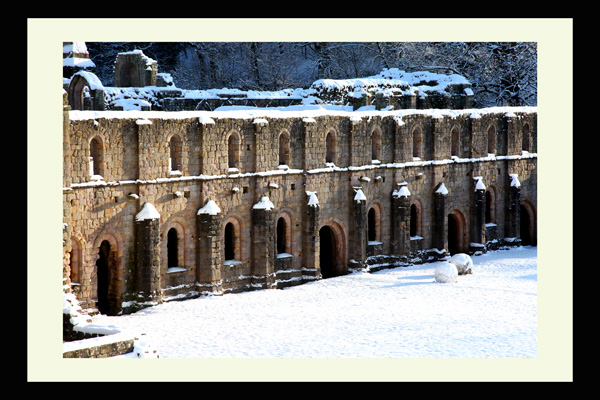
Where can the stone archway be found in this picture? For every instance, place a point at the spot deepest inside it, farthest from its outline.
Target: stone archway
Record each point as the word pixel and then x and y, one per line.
pixel 104 276
pixel 332 251
pixel 456 233
pixel 528 231
pixel 107 274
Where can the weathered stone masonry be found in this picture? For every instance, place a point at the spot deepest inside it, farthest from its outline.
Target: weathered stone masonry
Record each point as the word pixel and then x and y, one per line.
pixel 161 206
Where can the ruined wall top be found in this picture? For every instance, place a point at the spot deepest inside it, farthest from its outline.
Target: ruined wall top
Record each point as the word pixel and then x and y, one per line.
pixel 135 69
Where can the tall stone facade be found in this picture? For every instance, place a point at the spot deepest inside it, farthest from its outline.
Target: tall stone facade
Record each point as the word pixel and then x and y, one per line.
pixel 161 206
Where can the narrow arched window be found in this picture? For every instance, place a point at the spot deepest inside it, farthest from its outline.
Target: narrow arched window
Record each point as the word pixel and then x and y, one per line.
pixel 229 242
pixel 526 140
pixel 491 135
pixel 233 150
pixel 331 145
pixel 455 143
pixel 95 157
pixel 284 149
pixel 490 206
pixel 371 225
pixel 375 145
pixel 175 147
pixel 281 236
pixel 414 220
pixel 172 249
pixel 417 143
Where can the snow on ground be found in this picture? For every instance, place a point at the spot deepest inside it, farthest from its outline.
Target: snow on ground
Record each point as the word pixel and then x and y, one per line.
pixel 394 313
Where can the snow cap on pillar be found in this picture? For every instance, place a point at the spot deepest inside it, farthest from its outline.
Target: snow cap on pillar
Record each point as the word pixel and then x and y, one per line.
pixel 148 212
pixel 210 208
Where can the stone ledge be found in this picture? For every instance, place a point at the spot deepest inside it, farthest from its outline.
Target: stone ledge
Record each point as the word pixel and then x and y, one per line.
pixel 100 347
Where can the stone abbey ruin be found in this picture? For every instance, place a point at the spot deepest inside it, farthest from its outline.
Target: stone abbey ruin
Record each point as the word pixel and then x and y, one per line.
pixel 171 194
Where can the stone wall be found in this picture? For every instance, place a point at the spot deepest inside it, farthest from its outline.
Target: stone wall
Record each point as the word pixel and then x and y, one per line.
pixel 180 163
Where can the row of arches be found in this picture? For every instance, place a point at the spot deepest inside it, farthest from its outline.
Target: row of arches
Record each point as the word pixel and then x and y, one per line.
pixel 331 151
pixel 332 239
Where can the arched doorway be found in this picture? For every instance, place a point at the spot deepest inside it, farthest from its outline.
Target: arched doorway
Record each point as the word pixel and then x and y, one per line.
pixel 103 273
pixel 456 233
pixel 328 252
pixel 527 225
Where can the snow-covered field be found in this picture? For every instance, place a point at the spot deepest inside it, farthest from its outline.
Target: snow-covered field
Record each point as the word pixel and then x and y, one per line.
pixel 394 313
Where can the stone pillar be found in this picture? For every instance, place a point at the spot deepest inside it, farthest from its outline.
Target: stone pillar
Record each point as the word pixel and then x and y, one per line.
pixel 478 228
pixel 311 245
pixel 358 252
pixel 401 220
pixel 263 244
pixel 147 255
pixel 439 217
pixel 513 200
pixel 208 223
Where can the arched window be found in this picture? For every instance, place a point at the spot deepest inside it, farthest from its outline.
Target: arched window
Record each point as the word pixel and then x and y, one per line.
pixel 375 145
pixel 414 220
pixel 172 249
pixel 372 225
pixel 526 140
pixel 175 147
pixel 417 136
pixel 282 245
pixel 490 205
pixel 95 157
pixel 455 145
pixel 233 150
pixel 284 149
pixel 230 242
pixel 331 145
pixel 491 135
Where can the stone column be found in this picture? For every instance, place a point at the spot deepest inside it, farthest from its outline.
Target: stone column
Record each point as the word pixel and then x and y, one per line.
pixel 209 222
pixel 359 251
pixel 513 200
pixel 401 220
pixel 439 217
pixel 263 244
pixel 478 234
pixel 311 245
pixel 147 255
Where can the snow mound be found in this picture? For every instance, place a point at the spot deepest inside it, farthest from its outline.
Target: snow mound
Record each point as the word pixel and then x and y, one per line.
pixel 445 272
pixel 463 263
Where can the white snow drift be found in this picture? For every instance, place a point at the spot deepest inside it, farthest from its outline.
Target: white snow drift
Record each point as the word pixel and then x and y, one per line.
pixel 395 313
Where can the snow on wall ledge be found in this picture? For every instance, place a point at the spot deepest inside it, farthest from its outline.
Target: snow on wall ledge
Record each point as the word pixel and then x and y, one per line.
pixel 303 112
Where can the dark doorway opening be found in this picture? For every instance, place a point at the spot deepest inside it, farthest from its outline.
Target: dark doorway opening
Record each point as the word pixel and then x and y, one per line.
pixel 328 253
pixel 453 234
pixel 103 272
pixel 172 247
pixel 128 75
pixel 525 227
pixel 229 242
pixel 372 234
pixel 281 239
pixel 413 220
